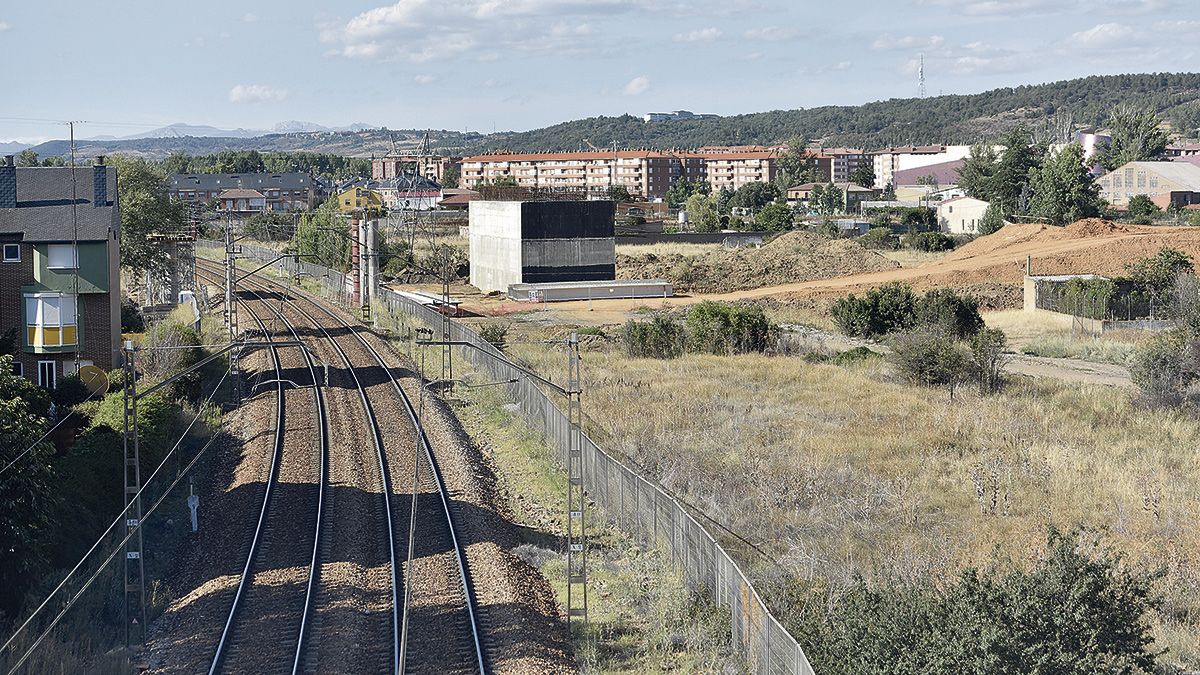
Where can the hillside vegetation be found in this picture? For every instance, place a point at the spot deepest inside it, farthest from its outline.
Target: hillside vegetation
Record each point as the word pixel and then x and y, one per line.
pixel 939 119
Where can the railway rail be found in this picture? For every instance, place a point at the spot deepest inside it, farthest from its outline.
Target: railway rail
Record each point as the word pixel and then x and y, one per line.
pixel 435 626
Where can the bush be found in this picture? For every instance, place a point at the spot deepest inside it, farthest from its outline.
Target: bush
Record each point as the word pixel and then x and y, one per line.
pixel 1165 369
pixel 879 311
pixel 659 338
pixel 131 317
pixel 169 348
pixel 930 357
pixel 855 355
pixel 496 334
pixel 155 422
pixel 1143 210
pixel 879 238
pixel 987 359
pixel 69 392
pixel 930 242
pixel 828 229
pixel 1077 610
pixel 716 328
pixel 944 309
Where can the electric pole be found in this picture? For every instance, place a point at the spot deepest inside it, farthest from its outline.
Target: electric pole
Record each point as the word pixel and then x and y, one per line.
pixel 576 523
pixel 135 572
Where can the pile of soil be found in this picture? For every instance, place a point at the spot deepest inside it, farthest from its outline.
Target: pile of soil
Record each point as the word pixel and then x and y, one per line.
pixel 789 258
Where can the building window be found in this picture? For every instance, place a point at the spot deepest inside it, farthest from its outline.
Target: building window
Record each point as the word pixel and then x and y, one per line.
pixel 47 375
pixel 62 256
pixel 50 320
pixel 18 369
pixel 12 253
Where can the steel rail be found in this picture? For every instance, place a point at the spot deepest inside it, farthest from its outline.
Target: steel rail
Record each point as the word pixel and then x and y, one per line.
pixel 248 570
pixel 467 587
pixel 385 475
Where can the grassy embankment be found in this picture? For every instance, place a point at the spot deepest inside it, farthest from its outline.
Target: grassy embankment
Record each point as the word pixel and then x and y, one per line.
pixel 836 471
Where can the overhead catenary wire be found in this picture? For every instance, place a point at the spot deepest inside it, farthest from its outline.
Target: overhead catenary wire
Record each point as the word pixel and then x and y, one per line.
pixel 120 520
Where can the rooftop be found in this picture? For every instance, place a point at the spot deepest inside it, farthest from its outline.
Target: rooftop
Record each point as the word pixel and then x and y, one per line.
pixel 50 205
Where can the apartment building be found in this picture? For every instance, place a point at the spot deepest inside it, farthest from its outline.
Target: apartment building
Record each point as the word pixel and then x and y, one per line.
pixel 889 161
pixel 432 167
pixel 60 282
pixel 732 170
pixel 646 173
pixel 838 163
pixel 275 191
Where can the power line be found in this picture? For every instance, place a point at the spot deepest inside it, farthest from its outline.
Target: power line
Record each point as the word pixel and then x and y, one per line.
pixel 118 521
pixel 41 438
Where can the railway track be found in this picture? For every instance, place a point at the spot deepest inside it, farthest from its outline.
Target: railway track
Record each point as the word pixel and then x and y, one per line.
pixel 284 545
pixel 434 628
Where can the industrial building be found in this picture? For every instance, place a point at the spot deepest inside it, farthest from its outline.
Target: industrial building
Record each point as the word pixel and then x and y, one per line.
pixel 522 242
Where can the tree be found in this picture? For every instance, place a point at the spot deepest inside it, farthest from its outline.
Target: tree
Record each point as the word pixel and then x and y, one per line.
pixel 1143 209
pixel 796 166
pixel 993 220
pixel 929 180
pixel 319 237
pixel 1010 182
pixel 864 175
pixel 987 359
pixel 978 169
pixel 774 217
pixel 1063 190
pixel 827 200
pixel 26 490
pixel 724 200
pixel 451 177
pixel 683 188
pixel 145 209
pixel 1136 136
pixel 756 195
pixel 619 193
pixel 1157 275
pixel 702 215
pixel 27 157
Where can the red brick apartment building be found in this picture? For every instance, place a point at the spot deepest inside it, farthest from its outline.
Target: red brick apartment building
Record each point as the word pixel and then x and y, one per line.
pixel 60 284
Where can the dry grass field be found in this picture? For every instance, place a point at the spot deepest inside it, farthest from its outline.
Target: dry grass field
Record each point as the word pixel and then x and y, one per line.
pixel 836 471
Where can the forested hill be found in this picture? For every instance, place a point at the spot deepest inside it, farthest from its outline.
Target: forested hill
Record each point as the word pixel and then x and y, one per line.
pixel 940 119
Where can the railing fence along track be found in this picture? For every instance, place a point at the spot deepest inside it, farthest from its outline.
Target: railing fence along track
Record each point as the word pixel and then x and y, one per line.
pixel 634 503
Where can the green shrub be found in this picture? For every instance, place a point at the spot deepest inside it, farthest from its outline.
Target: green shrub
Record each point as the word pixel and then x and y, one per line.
pixel 1076 610
pixel 659 338
pixel 879 238
pixel 1165 369
pixel 717 328
pixel 496 334
pixel 69 392
pixel 987 359
pixel 930 242
pixel 131 317
pixel 947 310
pixel 155 423
pixel 993 220
pixel 1143 210
pixel 879 311
pixel 856 355
pixel 170 347
pixel 930 357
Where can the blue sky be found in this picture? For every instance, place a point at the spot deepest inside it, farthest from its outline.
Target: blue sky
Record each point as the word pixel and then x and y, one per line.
pixel 520 64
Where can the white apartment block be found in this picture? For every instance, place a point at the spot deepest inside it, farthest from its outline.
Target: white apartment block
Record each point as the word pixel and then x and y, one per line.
pixel 892 160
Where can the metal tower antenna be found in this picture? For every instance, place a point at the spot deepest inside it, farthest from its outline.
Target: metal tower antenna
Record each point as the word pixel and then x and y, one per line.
pixel 921 75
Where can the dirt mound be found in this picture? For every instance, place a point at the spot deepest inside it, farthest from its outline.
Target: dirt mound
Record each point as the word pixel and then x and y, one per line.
pixel 1095 227
pixel 789 258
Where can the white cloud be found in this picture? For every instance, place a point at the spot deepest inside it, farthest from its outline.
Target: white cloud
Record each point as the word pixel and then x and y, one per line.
pixel 4 25
pixel 256 93
pixel 427 30
pixel 1137 7
pixel 637 85
pixel 1178 27
pixel 1005 8
pixel 424 78
pixel 973 58
pixel 1104 36
pixel 770 34
pixel 249 17
pixel 887 42
pixel 702 35
pixel 822 70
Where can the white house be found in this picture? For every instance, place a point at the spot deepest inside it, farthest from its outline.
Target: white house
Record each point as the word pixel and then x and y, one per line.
pixel 961 215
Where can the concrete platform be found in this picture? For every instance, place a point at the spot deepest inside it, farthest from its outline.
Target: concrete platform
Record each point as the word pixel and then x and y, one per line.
pixel 561 291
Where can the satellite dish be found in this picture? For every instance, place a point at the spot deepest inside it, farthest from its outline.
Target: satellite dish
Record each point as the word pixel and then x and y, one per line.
pixel 95 379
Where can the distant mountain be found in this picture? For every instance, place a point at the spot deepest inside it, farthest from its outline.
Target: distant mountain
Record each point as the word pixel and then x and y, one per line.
pixel 294 126
pixel 13 148
pixel 941 119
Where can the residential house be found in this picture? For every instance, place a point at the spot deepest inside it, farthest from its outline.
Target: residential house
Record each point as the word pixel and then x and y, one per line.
pixel 852 195
pixel 278 191
pixel 457 199
pixel 1165 182
pixel 676 116
pixel 60 284
pixel 242 202
pixel 961 215
pixel 358 198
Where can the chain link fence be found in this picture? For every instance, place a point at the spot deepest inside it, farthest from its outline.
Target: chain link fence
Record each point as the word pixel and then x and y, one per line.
pixel 634 503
